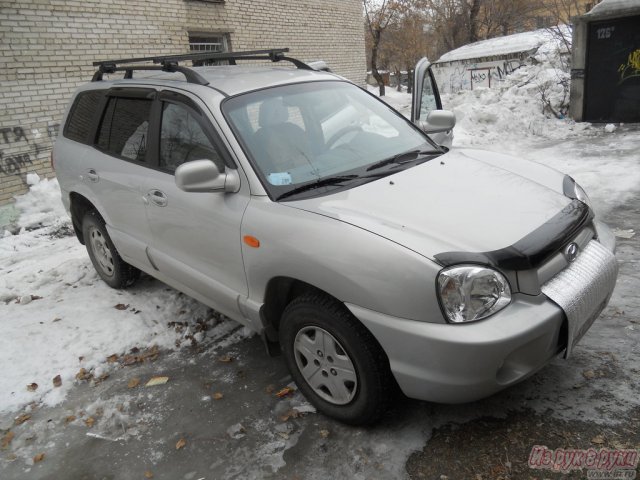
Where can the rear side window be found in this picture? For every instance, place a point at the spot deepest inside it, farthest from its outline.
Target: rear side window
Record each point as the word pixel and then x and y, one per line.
pixel 82 114
pixel 125 127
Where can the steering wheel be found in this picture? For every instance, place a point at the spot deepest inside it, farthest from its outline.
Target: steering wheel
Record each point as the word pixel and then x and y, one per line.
pixel 342 133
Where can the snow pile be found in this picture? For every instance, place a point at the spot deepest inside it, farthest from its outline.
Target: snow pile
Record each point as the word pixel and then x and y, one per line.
pixel 531 101
pixel 42 205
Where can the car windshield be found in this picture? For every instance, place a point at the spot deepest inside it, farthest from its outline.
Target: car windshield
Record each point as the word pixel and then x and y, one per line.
pixel 312 138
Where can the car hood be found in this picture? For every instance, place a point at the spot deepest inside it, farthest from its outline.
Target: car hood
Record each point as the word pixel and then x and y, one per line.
pixel 465 200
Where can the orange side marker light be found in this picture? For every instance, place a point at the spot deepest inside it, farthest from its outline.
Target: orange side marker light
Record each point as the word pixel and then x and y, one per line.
pixel 252 241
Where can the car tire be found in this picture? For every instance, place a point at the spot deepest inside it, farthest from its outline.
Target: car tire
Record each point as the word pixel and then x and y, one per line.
pixel 336 362
pixel 103 254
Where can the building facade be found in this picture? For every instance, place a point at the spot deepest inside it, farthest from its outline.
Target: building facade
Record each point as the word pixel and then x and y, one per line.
pixel 549 13
pixel 486 63
pixel 48 47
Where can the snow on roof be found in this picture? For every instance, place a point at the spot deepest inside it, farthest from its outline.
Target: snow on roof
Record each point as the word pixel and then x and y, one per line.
pixel 609 6
pixel 516 43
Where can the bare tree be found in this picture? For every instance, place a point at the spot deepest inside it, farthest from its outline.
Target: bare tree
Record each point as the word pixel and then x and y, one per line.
pixel 504 17
pixel 459 22
pixel 562 11
pixel 407 40
pixel 378 16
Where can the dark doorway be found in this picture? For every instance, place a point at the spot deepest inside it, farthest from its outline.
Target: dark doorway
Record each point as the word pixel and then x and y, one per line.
pixel 613 71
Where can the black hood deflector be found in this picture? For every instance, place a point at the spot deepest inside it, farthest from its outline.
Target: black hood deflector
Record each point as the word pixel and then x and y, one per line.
pixel 532 250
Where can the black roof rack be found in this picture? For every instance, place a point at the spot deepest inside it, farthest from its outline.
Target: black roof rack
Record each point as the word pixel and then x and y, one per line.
pixel 170 63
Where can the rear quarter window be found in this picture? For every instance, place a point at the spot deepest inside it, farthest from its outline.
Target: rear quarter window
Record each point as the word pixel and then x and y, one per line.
pixel 83 112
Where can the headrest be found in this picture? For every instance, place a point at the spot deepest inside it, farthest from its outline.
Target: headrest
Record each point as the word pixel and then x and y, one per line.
pixel 272 112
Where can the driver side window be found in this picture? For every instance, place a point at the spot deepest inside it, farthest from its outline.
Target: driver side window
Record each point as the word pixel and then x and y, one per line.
pixel 182 139
pixel 428 100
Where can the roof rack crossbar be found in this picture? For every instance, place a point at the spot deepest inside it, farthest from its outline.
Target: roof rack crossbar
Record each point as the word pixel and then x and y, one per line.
pixel 123 61
pixel 170 62
pixel 273 54
pixel 190 75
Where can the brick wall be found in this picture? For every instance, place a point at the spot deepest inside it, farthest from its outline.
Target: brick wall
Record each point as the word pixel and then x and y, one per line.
pixel 48 45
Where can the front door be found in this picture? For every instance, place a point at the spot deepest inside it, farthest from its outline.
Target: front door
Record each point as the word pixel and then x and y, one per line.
pixel 195 236
pixel 426 98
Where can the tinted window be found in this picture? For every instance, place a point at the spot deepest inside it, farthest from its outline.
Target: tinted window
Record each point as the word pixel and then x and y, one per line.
pixel 83 112
pixel 125 127
pixel 182 139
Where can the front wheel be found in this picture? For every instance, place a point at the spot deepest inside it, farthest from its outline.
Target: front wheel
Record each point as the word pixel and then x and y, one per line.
pixel 103 254
pixel 335 361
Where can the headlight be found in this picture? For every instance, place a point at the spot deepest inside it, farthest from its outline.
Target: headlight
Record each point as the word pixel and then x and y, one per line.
pixel 471 292
pixel 573 190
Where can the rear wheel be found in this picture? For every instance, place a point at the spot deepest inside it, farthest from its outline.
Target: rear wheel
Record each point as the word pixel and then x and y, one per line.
pixel 103 254
pixel 335 361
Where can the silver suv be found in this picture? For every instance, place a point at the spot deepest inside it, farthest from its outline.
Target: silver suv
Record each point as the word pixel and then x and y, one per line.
pixel 298 204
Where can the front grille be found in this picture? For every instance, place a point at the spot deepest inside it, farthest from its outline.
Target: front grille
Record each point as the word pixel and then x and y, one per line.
pixel 583 289
pixel 559 262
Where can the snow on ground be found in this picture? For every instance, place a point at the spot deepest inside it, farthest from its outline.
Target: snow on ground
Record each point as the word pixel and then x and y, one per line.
pixel 511 118
pixel 57 316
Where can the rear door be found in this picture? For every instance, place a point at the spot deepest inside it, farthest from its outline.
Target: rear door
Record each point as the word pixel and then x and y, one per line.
pixel 196 236
pixel 117 167
pixel 426 98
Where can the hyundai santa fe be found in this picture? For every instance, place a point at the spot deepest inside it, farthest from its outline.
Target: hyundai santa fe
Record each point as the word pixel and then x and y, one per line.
pixel 356 242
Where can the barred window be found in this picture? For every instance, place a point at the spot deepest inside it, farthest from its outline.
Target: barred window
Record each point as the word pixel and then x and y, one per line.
pixel 203 43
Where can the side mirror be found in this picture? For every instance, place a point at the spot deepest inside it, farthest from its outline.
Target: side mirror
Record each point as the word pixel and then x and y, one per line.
pixel 204 176
pixel 439 121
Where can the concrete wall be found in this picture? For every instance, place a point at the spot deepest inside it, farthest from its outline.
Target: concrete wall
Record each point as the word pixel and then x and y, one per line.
pixel 48 46
pixel 473 73
pixel 578 66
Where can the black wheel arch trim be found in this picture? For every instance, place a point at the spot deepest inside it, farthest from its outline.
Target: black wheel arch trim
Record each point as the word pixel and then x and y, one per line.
pixel 535 248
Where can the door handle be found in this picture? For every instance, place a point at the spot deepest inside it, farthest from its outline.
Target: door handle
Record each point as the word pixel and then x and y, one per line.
pixel 93 176
pixel 158 198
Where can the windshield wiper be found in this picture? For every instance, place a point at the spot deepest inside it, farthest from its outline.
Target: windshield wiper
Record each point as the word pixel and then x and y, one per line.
pixel 317 184
pixel 406 156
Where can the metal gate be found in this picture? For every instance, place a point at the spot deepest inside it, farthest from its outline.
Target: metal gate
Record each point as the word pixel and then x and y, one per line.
pixel 613 71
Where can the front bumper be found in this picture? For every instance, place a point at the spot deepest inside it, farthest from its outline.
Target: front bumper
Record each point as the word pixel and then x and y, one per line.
pixel 456 363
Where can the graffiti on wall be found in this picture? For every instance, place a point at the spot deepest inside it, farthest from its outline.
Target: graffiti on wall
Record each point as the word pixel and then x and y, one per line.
pixel 466 75
pixel 480 77
pixel 631 68
pixel 507 67
pixel 18 151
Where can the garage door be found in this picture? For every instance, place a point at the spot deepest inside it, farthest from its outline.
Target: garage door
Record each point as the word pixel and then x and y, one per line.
pixel 613 71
